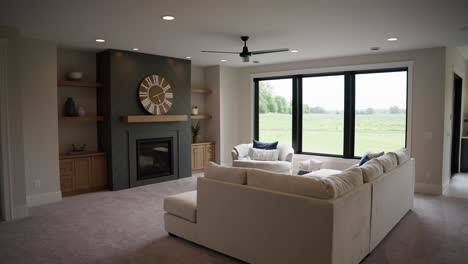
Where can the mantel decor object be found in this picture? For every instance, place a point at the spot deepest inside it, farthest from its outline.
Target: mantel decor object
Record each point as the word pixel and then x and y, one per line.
pixel 195 110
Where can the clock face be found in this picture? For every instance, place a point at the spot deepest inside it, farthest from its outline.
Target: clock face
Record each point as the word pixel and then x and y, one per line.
pixel 155 94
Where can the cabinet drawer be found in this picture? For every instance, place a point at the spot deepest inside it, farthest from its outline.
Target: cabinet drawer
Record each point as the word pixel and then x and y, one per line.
pixel 66 167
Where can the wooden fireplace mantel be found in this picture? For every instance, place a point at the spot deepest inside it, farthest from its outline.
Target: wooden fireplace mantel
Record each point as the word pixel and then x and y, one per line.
pixel 154 118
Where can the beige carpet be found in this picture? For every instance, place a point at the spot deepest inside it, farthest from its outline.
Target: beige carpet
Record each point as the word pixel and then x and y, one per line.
pixel 127 227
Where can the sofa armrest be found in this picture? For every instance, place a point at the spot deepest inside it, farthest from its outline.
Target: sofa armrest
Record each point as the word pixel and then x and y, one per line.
pixel 240 151
pixel 286 153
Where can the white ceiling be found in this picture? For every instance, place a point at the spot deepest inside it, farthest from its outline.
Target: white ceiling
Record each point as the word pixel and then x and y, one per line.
pixel 318 28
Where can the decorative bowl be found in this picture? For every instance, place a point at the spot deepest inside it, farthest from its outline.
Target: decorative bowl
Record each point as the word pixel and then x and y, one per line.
pixel 78 147
pixel 75 76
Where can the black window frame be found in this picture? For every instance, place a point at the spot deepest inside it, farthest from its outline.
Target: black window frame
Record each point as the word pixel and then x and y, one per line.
pixel 349 108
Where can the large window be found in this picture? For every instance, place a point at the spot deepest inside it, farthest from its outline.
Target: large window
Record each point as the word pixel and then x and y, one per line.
pixel 341 114
pixel 323 114
pixel 275 110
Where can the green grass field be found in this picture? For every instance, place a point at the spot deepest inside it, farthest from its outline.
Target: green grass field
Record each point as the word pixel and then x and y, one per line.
pixel 323 133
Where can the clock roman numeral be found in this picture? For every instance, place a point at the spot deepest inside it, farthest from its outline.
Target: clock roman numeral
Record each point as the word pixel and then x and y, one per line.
pixel 146 102
pixel 151 108
pixel 149 81
pixel 158 111
pixel 168 103
pixel 143 94
pixel 169 95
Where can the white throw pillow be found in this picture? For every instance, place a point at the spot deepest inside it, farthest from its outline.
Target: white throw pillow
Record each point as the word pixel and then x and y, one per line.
pixel 264 154
pixel 310 165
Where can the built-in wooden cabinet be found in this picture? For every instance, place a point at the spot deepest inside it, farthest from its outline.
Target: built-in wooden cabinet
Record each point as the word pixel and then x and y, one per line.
pixel 201 154
pixel 83 173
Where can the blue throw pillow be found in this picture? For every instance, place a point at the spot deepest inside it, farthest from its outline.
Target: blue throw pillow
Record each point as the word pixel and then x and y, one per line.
pixel 302 172
pixel 265 145
pixel 364 159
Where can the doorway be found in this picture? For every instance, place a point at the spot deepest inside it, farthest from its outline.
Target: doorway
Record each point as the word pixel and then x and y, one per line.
pixel 456 123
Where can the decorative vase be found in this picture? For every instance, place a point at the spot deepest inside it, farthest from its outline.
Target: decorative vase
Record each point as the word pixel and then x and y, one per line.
pixel 81 111
pixel 194 139
pixel 70 108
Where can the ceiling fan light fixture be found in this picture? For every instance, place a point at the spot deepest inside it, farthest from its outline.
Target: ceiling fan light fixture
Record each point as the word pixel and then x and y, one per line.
pixel 392 39
pixel 223 60
pixel 100 40
pixel 294 50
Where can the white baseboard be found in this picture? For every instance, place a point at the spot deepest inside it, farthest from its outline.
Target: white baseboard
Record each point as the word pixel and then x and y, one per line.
pixel 426 188
pixel 43 198
pixel 20 212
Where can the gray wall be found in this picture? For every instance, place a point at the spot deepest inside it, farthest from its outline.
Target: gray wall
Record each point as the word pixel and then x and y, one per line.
pixel 121 72
pixel 37 62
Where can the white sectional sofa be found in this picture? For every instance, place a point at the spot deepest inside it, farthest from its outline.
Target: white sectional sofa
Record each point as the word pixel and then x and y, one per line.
pixel 240 158
pixel 265 217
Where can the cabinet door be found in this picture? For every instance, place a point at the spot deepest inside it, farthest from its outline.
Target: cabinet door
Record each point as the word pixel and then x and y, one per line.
pixel 82 168
pixel 98 177
pixel 209 153
pixel 66 176
pixel 198 159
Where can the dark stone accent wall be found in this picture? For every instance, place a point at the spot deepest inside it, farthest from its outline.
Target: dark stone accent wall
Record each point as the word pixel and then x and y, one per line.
pixel 121 73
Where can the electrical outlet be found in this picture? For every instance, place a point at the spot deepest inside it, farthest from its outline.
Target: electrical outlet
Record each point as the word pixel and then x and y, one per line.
pixel 37 184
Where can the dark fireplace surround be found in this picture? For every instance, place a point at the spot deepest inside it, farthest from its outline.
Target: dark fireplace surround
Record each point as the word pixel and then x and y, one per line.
pixel 135 151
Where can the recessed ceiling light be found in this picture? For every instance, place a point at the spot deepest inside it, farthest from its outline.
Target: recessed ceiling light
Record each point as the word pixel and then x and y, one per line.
pixel 294 50
pixel 168 17
pixel 223 60
pixel 135 49
pixel 100 40
pixel 375 48
pixel 188 57
pixel 392 39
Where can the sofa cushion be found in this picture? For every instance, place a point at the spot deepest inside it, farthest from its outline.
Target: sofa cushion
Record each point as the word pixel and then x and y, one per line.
pixel 323 173
pixel 276 166
pixel 263 154
pixel 388 161
pixel 402 155
pixel 330 187
pixel 183 205
pixel 227 174
pixel 371 170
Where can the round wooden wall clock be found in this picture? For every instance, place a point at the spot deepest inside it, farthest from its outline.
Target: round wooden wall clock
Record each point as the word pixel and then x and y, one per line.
pixel 155 94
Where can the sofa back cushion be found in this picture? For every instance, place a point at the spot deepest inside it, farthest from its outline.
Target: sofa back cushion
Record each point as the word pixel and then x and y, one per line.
pixel 371 170
pixel 389 161
pixel 330 187
pixel 226 174
pixel 402 155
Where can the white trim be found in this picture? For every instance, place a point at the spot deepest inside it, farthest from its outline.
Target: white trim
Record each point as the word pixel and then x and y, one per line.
pixel 425 188
pixel 43 198
pixel 8 211
pixel 358 67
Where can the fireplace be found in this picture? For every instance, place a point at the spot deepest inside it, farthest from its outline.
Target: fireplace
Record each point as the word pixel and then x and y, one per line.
pixel 154 158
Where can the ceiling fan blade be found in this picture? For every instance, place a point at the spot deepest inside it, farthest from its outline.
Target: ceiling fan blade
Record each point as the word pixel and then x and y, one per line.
pixel 214 51
pixel 268 51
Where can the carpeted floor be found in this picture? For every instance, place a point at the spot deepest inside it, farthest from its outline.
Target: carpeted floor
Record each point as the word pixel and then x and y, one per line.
pixel 127 227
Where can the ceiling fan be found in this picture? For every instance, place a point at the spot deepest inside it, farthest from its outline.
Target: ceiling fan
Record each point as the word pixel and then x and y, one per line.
pixel 245 54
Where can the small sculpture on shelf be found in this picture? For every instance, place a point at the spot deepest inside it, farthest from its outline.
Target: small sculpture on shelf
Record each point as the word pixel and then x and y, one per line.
pixel 78 149
pixel 195 132
pixel 81 111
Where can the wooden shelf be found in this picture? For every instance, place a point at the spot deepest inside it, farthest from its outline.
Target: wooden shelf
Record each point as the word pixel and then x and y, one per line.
pixel 65 83
pixel 154 118
pixel 199 117
pixel 83 118
pixel 201 91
